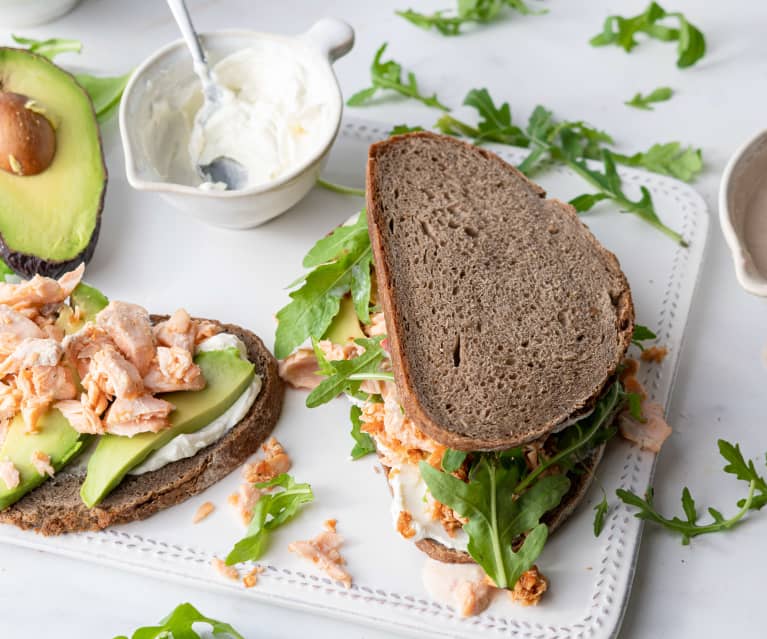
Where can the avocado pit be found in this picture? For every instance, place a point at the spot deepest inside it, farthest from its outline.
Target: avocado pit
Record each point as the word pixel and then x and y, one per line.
pixel 27 137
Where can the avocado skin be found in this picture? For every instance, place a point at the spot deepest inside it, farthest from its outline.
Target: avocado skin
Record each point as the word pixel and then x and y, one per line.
pixel 25 264
pixel 227 376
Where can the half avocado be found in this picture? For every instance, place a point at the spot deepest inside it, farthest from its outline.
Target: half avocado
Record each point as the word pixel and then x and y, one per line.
pixel 50 213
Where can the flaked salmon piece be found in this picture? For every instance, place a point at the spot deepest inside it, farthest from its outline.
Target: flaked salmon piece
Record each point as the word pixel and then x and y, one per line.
pixel 17 326
pixel 128 417
pixel 84 344
pixel 276 461
pixel 204 330
pixel 40 291
pixel 300 369
pixel 377 325
pixel 10 401
pixel 114 375
pixel 9 474
pixel 97 398
pixel 178 330
pixel 81 416
pixel 32 351
pixel 529 587
pixel 203 512
pixel 130 328
pixel 473 597
pixel 230 572
pixel 42 463
pixel 247 497
pixel 173 370
pixel 40 386
pixel 649 434
pixel 323 551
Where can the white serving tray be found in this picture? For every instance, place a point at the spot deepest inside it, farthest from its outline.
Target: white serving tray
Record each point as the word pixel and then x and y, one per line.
pixel 152 255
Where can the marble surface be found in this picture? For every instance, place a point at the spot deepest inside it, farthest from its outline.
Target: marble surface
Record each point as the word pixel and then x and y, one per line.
pixel 711 587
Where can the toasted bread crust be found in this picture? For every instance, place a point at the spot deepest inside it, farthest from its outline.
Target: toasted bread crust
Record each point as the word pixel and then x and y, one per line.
pixel 56 508
pixel 454 435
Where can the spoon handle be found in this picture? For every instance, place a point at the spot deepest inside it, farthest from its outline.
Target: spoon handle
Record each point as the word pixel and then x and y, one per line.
pixel 181 14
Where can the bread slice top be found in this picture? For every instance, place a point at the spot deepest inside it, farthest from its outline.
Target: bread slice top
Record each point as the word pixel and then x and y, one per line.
pixel 504 315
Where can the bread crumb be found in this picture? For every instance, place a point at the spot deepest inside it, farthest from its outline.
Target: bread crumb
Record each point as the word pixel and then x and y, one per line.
pixel 405 524
pixel 323 551
pixel 654 354
pixel 251 579
pixel 330 524
pixel 230 572
pixel 529 588
pixel 203 511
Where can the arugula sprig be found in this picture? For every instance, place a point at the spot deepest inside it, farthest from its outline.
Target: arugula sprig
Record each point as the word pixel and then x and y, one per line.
pixel 105 92
pixel 179 625
pixel 645 102
pixel 363 443
pixel 271 511
pixel 621 31
pixel 388 75
pixel 600 513
pixel 340 264
pixel 347 375
pixel 641 334
pixel 340 188
pixel 449 22
pixel 671 158
pixel 689 526
pixel 400 129
pixel 495 520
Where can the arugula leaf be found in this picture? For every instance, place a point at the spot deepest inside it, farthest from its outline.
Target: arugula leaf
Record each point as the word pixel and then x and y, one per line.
pixel 179 625
pixel 340 188
pixel 587 201
pixel 689 527
pixel 271 511
pixel 452 460
pixel 51 47
pixel 449 23
pixel 388 75
pixel 363 443
pixel 641 334
pixel 635 406
pixel 494 122
pixel 341 263
pixel 105 92
pixel 496 520
pixel 639 101
pixel 399 129
pixel 683 163
pixel 600 513
pixel 348 374
pixel 620 31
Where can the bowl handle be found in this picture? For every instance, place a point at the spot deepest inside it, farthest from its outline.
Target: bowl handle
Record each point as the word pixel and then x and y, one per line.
pixel 332 37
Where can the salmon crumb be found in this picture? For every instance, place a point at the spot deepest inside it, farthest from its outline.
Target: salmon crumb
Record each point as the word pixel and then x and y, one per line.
pixel 230 572
pixel 330 524
pixel 405 524
pixel 251 579
pixel 323 551
pixel 233 500
pixel 203 511
pixel 530 587
pixel 276 461
pixel 654 354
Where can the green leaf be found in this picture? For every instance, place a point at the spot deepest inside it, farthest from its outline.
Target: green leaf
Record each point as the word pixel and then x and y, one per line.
pixel 271 511
pixel 496 519
pixel 622 32
pixel 179 625
pixel 388 75
pixel 350 238
pixel 635 406
pixel 600 513
pixel 449 23
pixel 348 373
pixel 340 188
pixel 639 101
pixel 587 201
pixel 642 334
pixel 363 443
pixel 688 506
pixel 51 47
pixel 495 123
pixel 401 129
pixel 105 92
pixel 671 158
pixel 452 460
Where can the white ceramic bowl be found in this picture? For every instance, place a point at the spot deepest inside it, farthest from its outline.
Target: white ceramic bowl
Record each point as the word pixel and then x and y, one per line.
pixel 743 213
pixel 171 67
pixel 29 13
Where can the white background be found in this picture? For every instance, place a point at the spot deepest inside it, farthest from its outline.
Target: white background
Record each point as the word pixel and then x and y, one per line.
pixel 712 587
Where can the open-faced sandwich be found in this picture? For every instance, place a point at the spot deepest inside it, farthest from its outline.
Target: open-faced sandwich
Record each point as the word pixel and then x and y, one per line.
pixel 110 414
pixel 480 331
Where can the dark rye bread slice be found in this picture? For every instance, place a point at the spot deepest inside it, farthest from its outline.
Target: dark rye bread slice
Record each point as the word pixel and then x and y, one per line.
pixel 55 507
pixel 504 315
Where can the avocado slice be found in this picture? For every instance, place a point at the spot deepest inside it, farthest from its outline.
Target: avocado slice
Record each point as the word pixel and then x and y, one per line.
pixel 55 437
pixel 227 375
pixel 49 222
pixel 86 299
pixel 345 326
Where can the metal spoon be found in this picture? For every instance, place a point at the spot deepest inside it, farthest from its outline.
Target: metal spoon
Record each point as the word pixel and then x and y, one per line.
pixel 223 168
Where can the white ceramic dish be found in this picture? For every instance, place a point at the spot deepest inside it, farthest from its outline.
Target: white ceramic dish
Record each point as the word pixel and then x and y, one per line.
pixel 30 13
pixel 171 68
pixel 590 577
pixel 743 213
